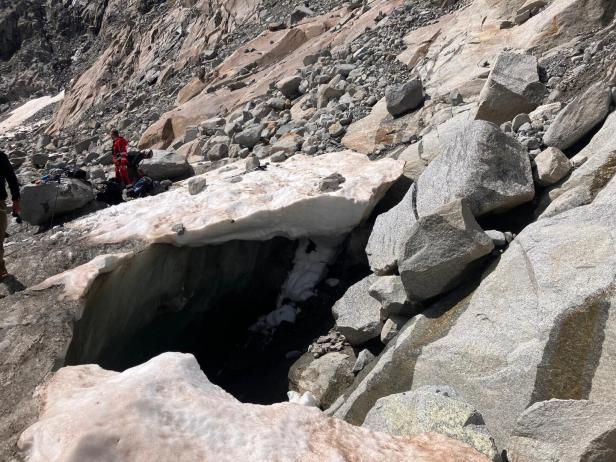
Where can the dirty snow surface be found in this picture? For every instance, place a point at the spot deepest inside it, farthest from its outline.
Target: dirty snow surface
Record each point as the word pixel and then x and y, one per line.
pixel 167 409
pixel 282 200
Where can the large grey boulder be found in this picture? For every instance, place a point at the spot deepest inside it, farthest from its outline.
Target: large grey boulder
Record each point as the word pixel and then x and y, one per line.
pixel 388 233
pixel 512 88
pixel 357 314
pixel 404 98
pixel 565 431
pixel 579 117
pixel 249 137
pixel 326 377
pixel 438 250
pixel 436 409
pixel 540 325
pixel 39 203
pixel 482 165
pixel 166 165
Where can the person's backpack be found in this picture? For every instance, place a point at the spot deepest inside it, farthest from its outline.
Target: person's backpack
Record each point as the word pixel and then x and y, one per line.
pixel 142 187
pixel 111 192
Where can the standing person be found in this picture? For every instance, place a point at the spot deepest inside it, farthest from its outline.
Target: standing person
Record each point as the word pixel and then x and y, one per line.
pixel 8 176
pixel 119 157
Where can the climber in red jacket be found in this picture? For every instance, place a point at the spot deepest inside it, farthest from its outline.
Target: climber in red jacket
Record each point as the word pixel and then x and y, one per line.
pixel 119 157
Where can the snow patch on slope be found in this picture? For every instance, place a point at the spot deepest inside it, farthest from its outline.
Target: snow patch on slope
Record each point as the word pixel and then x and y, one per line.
pixel 25 111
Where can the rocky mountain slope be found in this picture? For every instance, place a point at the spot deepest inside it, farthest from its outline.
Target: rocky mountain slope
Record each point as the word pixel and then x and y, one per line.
pixel 399 212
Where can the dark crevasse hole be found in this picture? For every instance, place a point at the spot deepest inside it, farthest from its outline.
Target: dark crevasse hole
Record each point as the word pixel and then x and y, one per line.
pixel 202 301
pixel 514 220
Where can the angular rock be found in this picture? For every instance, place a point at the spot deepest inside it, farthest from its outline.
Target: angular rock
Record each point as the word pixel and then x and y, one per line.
pixel 210 126
pixel 498 237
pixel 551 166
pixel 249 137
pixel 278 157
pixel 166 165
pixel 289 86
pixel 579 117
pixel 482 165
pixel 357 315
pixel 389 291
pixel 391 327
pixel 326 93
pixel 364 358
pixel 438 250
pixel 252 163
pixel 404 98
pixel 288 144
pixel 300 13
pixel 565 430
pixel 432 409
pixel 388 235
pixel 512 88
pixel 336 130
pixel 326 377
pixel 518 121
pixel 39 159
pixel 217 151
pixel 197 185
pixel 39 203
pixel 85 414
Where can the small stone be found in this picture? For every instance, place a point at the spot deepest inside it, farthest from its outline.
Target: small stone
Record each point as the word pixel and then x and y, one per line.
pixel 252 163
pixel 278 157
pixel 332 183
pixel 519 121
pixel 336 130
pixel 196 185
pixel 178 229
